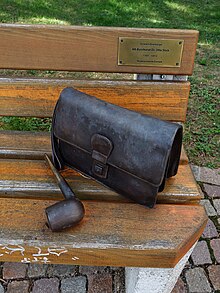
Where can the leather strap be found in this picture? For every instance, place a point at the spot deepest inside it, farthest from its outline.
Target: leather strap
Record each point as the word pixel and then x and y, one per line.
pixel 56 156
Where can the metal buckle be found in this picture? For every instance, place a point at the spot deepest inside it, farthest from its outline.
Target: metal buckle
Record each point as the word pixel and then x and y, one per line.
pixel 102 148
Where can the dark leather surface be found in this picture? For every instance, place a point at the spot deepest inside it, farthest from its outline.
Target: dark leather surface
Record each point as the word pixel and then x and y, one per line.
pixel 127 151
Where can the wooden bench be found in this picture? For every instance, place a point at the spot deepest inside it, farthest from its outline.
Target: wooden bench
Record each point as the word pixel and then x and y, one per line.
pixel 114 232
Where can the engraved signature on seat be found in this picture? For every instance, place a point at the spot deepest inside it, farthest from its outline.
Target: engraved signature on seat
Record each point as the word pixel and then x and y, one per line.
pixel 39 255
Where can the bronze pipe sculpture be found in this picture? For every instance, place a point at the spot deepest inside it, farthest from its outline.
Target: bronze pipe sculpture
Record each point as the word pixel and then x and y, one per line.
pixel 68 212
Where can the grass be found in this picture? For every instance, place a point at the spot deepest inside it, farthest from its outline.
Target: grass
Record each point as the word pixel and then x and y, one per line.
pixel 202 134
pixel 27 124
pixel 194 14
pixel 202 129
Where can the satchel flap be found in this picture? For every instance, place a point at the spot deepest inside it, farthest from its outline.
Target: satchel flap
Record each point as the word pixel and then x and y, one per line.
pixel 101 148
pixel 135 143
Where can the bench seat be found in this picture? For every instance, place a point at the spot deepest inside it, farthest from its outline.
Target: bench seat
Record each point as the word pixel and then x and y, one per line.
pixel 115 231
pixel 111 233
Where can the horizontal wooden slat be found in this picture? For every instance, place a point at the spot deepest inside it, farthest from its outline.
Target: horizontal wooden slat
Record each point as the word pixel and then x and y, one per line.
pixel 24 144
pixel 29 145
pixel 32 178
pixel 37 97
pixel 110 234
pixel 83 48
pixel 33 145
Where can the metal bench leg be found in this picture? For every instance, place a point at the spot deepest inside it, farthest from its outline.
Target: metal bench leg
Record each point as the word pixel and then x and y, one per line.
pixel 154 280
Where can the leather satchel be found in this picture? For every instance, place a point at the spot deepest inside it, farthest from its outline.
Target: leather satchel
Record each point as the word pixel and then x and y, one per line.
pixel 129 152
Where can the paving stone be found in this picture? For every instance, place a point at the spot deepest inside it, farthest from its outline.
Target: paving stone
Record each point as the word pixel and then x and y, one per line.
pixel 197 281
pixel 179 287
pixel 61 270
pixel 210 230
pixel 208 207
pixel 14 270
pixel 211 176
pixel 37 270
pixel 216 203
pixel 200 254
pixel 215 244
pixel 206 175
pixel 74 285
pixel 89 270
pixel 46 286
pixel 212 190
pixel 2 290
pixel 214 275
pixel 196 172
pixel 18 286
pixel 100 283
pixel 119 280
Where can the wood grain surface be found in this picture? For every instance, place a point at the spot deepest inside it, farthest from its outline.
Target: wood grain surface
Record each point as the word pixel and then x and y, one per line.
pixel 37 97
pixel 33 179
pixel 33 145
pixel 83 48
pixel 110 234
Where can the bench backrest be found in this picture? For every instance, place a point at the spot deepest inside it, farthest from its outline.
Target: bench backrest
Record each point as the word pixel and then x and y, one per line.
pixel 90 49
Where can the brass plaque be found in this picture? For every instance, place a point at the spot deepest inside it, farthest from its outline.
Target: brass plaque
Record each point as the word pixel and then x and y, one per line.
pixel 150 52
